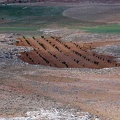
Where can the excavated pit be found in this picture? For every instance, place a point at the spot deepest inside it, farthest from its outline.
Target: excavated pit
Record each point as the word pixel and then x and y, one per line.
pixel 56 53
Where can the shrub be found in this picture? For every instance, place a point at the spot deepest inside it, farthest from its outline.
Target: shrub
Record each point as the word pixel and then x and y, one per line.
pixel 27 54
pixel 95 62
pixel 55 56
pixel 17 42
pixel 52 37
pixel 45 60
pixel 108 61
pixel 24 37
pixel 33 37
pixel 65 63
pixel 42 36
pixel 42 46
pixel 31 59
pixel 28 42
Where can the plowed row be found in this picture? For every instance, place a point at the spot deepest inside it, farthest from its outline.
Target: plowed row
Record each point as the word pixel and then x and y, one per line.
pixel 53 52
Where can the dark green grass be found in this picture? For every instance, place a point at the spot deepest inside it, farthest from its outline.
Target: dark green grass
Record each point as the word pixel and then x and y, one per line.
pixel 31 18
pixel 112 28
pixel 17 29
pixel 20 12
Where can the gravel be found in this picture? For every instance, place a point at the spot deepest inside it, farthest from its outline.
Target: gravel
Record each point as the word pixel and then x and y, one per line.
pixel 9 53
pixel 55 114
pixel 94 13
pixel 42 109
pixel 112 50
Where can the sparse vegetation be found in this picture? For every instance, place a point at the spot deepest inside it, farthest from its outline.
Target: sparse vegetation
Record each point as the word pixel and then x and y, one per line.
pixel 82 57
pixel 114 28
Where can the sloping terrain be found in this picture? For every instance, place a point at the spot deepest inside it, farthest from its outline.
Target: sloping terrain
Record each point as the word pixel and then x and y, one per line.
pixel 96 13
pixel 2 1
pixel 55 53
pixel 50 87
pixel 71 1
pixel 36 88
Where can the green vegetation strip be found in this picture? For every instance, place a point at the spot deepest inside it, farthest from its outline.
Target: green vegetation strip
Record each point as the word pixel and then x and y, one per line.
pixel 19 12
pixel 113 28
pixel 17 29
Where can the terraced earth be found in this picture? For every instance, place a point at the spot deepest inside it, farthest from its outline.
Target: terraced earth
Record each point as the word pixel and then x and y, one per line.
pixel 56 53
pixel 71 86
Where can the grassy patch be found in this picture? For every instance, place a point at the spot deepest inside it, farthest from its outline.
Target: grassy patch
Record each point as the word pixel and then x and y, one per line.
pixel 17 29
pixel 22 17
pixel 20 12
pixel 28 16
pixel 31 18
pixel 114 28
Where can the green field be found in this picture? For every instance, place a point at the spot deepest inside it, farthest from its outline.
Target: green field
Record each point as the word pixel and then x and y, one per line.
pixel 113 28
pixel 27 17
pixel 35 16
pixel 17 28
pixel 21 12
pixel 31 18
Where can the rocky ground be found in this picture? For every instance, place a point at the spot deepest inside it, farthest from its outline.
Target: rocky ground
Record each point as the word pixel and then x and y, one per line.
pixel 38 92
pixel 96 13
pixel 30 105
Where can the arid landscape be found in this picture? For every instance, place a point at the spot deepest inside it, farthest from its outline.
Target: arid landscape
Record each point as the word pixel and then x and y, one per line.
pixel 53 52
pixel 60 60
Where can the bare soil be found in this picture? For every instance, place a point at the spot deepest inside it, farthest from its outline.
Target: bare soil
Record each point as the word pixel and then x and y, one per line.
pixel 37 86
pixel 26 87
pixel 97 13
pixel 94 91
pixel 56 53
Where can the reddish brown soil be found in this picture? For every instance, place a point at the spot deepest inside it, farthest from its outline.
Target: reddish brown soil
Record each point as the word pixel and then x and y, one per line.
pixel 93 92
pixel 56 53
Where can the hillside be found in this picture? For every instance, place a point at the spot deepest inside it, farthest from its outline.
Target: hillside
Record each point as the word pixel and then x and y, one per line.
pixel 60 60
pixel 2 1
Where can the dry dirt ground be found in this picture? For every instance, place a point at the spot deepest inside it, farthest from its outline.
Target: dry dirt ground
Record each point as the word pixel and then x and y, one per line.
pixel 96 13
pixel 53 52
pixel 55 93
pixel 37 92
